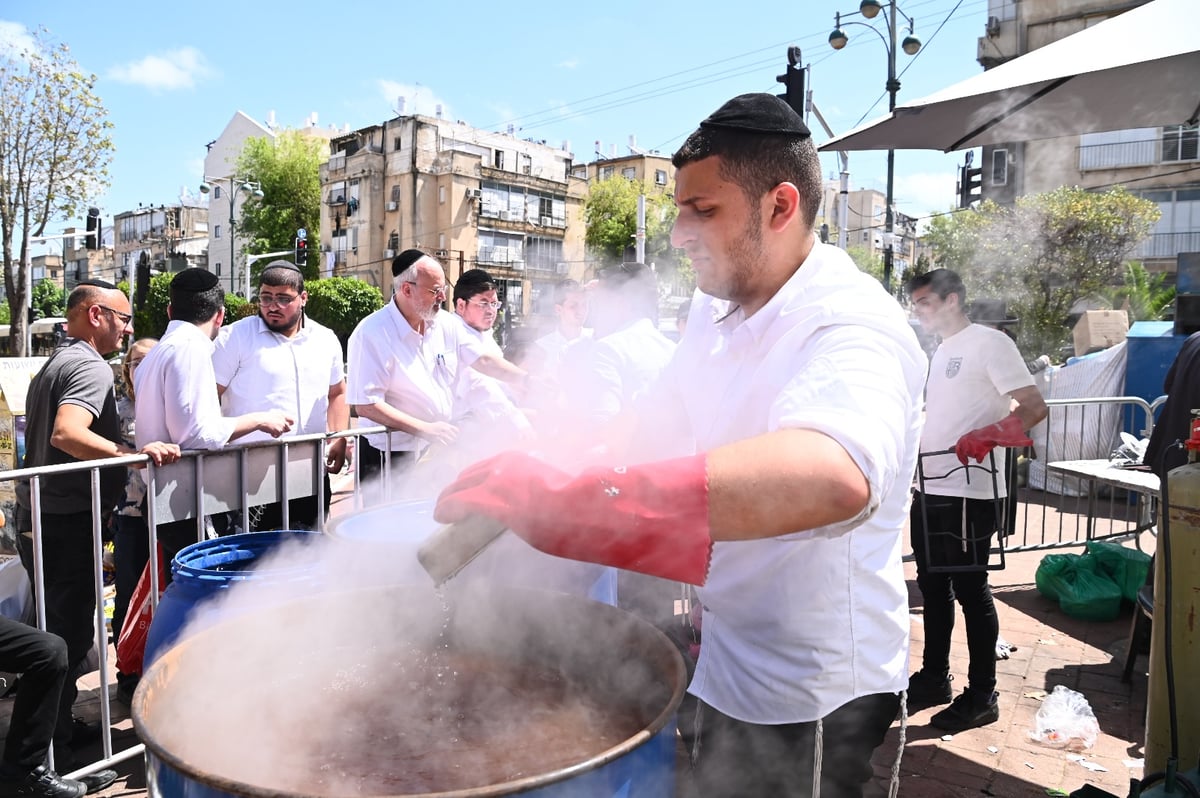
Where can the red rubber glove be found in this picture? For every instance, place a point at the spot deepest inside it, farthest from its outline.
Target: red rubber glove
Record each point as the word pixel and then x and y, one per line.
pixel 1008 431
pixel 649 518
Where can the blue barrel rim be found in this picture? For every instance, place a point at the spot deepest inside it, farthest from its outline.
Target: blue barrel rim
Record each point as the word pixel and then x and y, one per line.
pixel 654 731
pixel 198 561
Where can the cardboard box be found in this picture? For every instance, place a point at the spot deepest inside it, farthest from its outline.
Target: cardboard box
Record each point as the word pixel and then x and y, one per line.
pixel 1100 329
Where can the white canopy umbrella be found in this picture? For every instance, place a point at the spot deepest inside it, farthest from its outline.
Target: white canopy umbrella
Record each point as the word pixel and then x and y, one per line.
pixel 1139 69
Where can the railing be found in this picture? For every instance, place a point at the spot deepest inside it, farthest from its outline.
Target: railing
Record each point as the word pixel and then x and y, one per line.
pixel 1167 245
pixel 201 484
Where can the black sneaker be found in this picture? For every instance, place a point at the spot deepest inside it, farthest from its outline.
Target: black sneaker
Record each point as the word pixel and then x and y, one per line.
pixel 41 782
pixel 927 690
pixel 95 782
pixel 968 711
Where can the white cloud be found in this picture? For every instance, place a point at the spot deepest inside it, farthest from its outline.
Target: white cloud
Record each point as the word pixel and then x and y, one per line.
pixel 418 99
pixel 169 71
pixel 15 39
pixel 570 63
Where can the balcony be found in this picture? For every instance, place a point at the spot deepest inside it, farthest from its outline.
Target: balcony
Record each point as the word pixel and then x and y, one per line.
pixel 1167 245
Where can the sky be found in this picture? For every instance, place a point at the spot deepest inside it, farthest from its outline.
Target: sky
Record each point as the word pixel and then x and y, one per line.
pixel 172 75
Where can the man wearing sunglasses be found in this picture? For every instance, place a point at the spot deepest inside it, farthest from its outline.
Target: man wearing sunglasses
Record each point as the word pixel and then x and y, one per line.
pixel 283 360
pixel 72 418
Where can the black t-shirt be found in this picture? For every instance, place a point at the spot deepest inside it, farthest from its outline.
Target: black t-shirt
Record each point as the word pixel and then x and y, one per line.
pixel 1182 387
pixel 74 375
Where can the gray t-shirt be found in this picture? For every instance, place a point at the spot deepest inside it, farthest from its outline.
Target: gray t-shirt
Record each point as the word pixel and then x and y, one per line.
pixel 74 375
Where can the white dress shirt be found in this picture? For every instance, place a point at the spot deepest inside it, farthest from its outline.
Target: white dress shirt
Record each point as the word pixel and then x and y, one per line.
pixel 175 392
pixel 796 626
pixel 390 362
pixel 263 370
pixel 617 368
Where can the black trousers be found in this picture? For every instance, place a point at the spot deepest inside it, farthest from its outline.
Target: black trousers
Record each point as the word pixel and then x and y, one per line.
pixel 735 759
pixel 70 594
pixel 41 659
pixel 960 534
pixel 302 513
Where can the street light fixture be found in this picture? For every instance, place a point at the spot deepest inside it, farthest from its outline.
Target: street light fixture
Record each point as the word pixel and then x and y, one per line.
pixel 869 9
pixel 236 185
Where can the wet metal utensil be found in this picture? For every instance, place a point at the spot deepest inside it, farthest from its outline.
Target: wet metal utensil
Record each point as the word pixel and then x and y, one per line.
pixel 448 550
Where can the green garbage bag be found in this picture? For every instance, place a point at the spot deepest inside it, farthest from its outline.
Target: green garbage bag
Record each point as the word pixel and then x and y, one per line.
pixel 1091 595
pixel 1054 573
pixel 1127 567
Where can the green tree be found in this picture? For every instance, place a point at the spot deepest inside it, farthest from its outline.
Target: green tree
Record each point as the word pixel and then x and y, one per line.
pixel 287 168
pixel 340 303
pixel 49 300
pixel 1144 295
pixel 610 213
pixel 55 149
pixel 867 261
pixel 1043 254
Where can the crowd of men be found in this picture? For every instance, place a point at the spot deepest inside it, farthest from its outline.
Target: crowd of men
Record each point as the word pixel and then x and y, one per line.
pixel 766 460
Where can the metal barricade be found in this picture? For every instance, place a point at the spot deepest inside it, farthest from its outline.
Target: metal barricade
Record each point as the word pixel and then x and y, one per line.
pixel 202 484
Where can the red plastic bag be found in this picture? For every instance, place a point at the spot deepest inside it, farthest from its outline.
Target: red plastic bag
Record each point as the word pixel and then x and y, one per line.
pixel 131 644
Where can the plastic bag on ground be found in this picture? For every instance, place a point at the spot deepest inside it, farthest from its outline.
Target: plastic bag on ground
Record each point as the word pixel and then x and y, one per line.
pixel 1125 566
pixel 1091 596
pixel 1065 720
pixel 1054 572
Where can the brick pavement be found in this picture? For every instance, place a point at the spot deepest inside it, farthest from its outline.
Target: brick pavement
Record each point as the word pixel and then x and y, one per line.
pixel 1051 649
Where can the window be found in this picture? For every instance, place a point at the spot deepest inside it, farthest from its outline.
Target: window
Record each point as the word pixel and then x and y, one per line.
pixel 1179 142
pixel 396 193
pixel 607 171
pixel 217 271
pixel 216 192
pixel 441 195
pixel 1119 148
pixel 629 173
pixel 1000 167
pixel 216 231
pixel 660 177
pixel 543 253
pixel 498 159
pixel 397 143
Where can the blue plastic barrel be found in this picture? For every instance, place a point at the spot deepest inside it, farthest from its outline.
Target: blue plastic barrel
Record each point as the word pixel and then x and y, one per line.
pixel 205 570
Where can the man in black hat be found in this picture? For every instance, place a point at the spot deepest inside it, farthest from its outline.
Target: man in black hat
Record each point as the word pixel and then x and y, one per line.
pixel 283 360
pixel 477 306
pixel 175 388
pixel 404 366
pixel 799 399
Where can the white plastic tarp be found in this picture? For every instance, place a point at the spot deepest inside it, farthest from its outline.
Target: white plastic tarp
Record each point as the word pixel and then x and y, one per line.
pixel 1079 432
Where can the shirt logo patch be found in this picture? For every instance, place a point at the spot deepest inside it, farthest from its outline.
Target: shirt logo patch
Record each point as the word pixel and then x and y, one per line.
pixel 953 367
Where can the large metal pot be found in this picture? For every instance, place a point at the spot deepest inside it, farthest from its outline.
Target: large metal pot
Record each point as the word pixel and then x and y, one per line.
pixel 231 712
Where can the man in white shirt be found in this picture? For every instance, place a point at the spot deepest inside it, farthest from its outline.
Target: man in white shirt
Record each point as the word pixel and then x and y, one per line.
pixel 283 360
pixel 980 396
pixel 404 367
pixel 571 312
pixel 175 388
pixel 794 406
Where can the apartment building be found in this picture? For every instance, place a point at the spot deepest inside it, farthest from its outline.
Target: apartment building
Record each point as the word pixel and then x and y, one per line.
pixel 163 237
pixel 865 225
pixel 1151 159
pixel 655 172
pixel 471 197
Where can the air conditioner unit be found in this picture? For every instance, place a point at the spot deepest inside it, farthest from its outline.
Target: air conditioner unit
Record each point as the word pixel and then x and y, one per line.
pixel 547 221
pixel 391 206
pixel 506 215
pixel 389 253
pixel 474 193
pixel 441 253
pixel 562 268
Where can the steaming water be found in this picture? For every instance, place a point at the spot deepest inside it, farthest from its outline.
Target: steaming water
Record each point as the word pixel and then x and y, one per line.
pixel 349 692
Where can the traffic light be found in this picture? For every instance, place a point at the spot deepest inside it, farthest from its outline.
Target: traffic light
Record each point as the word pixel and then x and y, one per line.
pixel 301 251
pixel 92 240
pixel 793 81
pixel 970 185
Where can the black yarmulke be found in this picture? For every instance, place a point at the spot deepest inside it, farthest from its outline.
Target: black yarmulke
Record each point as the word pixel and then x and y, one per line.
pixel 474 277
pixel 194 280
pixel 282 264
pixel 758 113
pixel 405 259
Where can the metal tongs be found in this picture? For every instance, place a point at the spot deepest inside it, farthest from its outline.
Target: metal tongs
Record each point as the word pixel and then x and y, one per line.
pixel 451 548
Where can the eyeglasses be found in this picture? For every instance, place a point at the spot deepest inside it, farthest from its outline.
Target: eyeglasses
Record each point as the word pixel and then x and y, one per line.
pixel 125 318
pixel 438 291
pixel 279 301
pixel 483 304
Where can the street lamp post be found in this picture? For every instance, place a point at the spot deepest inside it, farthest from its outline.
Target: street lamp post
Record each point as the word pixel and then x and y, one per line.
pixel 869 9
pixel 235 185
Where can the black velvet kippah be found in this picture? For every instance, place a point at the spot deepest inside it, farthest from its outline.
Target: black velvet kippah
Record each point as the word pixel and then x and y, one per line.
pixel 474 277
pixel 758 113
pixel 405 259
pixel 97 283
pixel 282 264
pixel 194 280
